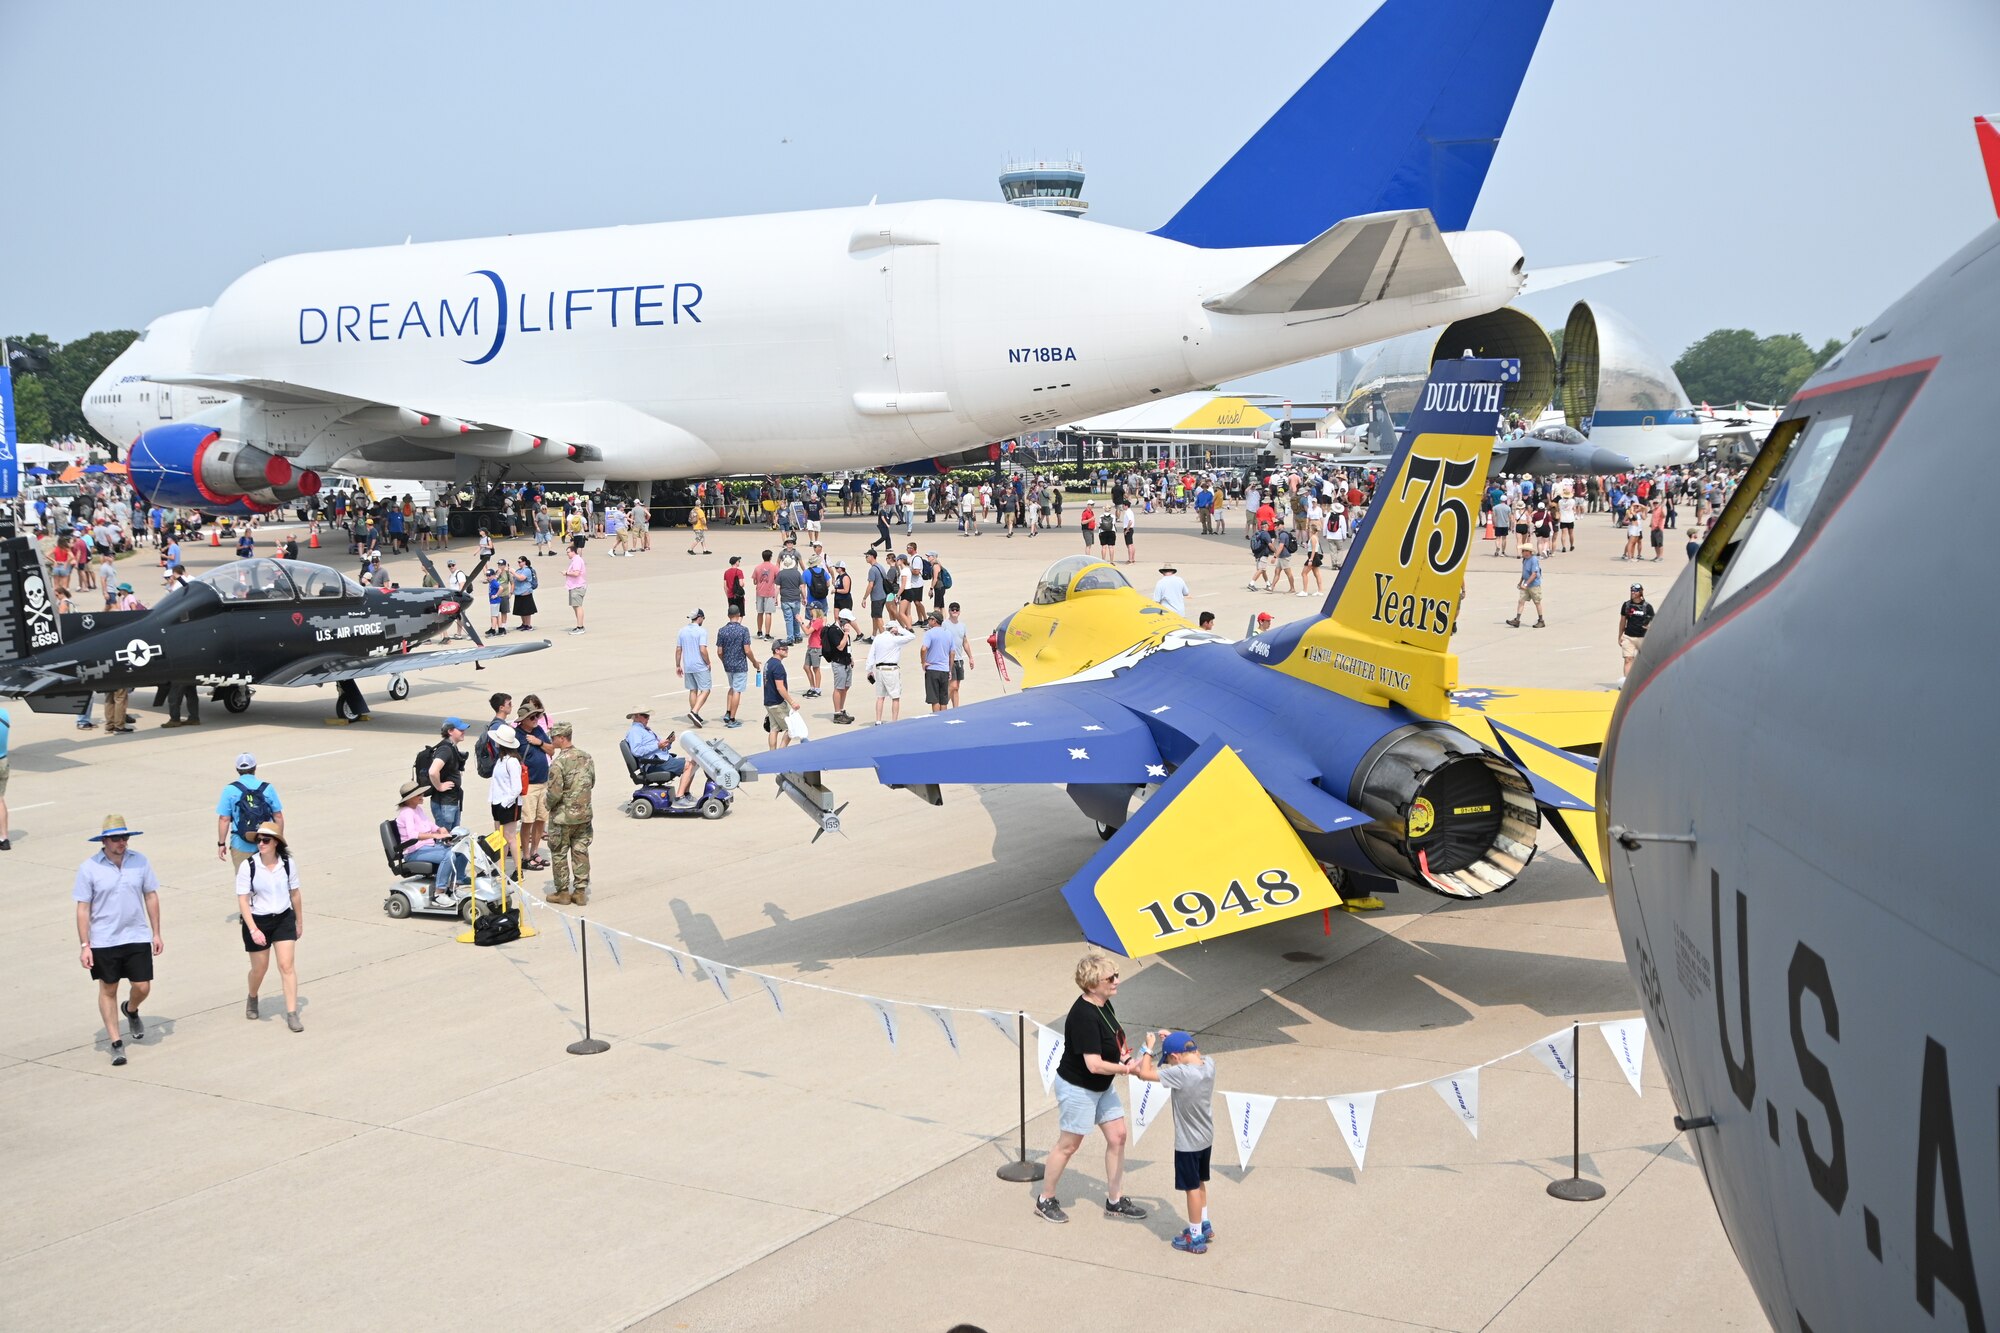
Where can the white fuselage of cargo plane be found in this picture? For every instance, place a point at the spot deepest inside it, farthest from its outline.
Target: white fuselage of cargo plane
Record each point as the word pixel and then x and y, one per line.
pixel 786 342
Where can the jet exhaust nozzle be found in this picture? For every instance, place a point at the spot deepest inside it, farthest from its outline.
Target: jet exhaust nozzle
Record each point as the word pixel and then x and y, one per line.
pixel 1449 814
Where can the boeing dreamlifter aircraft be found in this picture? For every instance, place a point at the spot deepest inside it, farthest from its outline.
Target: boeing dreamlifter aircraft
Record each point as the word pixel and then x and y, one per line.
pixel 847 337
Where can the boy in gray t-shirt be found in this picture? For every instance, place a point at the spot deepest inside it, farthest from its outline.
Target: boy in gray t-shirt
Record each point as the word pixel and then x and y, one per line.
pixel 1190 1076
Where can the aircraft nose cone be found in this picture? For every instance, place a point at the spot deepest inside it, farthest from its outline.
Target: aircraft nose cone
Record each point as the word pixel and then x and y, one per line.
pixel 1604 462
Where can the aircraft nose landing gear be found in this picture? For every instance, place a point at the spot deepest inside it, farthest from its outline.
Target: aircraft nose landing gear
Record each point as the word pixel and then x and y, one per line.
pixel 399 688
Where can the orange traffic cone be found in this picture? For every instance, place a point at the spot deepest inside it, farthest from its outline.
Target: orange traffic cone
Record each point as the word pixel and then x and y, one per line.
pixel 313 540
pixel 215 537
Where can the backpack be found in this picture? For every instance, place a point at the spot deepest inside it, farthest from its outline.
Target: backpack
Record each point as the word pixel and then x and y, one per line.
pixel 816 583
pixel 944 581
pixel 497 927
pixel 421 767
pixel 253 807
pixel 1108 523
pixel 486 753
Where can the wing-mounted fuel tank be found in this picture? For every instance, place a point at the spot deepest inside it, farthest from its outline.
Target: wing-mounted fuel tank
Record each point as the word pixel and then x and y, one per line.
pixel 187 465
pixel 1618 390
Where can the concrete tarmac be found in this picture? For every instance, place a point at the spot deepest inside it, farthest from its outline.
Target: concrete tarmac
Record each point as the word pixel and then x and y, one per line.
pixel 425 1154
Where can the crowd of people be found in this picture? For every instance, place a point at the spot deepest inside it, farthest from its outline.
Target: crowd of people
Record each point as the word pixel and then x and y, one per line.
pixel 798 624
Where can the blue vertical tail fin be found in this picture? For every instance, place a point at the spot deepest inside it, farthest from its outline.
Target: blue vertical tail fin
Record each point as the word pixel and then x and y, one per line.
pixel 1406 114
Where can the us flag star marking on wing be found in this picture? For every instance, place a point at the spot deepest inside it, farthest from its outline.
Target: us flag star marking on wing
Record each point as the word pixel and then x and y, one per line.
pixel 955 722
pixel 1075 753
pixel 1020 724
pixel 1093 727
pixel 1156 770
pixel 1162 708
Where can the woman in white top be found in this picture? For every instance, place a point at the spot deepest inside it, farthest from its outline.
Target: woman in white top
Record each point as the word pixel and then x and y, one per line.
pixel 505 790
pixel 273 911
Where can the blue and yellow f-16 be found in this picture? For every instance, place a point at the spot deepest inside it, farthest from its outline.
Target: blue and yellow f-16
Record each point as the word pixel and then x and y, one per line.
pixel 1339 743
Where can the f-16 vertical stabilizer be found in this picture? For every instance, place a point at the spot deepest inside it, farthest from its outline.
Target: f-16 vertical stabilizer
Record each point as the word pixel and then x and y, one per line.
pixel 1384 635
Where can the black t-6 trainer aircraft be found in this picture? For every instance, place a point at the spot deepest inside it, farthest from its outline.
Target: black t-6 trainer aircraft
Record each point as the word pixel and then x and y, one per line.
pixel 248 623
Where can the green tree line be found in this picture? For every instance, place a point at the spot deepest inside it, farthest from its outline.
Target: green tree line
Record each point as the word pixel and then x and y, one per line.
pixel 1731 365
pixel 48 405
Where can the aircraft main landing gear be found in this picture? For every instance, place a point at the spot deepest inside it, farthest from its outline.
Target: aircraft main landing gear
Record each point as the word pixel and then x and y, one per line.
pixel 236 698
pixel 349 706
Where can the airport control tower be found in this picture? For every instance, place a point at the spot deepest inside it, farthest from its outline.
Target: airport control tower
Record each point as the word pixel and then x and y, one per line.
pixel 1048 187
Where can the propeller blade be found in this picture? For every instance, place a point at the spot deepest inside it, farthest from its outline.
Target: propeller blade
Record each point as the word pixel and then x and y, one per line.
pixel 429 568
pixel 472 582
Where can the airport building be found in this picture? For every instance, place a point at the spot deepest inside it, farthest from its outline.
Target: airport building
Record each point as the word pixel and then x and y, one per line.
pixel 1146 433
pixel 1047 187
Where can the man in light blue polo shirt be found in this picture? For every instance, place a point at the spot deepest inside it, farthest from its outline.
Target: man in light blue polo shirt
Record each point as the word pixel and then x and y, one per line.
pixel 692 661
pixel 938 644
pixel 118 927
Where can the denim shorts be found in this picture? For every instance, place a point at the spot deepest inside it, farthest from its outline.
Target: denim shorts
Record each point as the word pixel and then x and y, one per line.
pixel 696 680
pixel 1083 1109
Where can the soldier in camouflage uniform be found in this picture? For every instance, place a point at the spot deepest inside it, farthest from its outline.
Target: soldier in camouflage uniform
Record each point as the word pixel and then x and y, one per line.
pixel 572 774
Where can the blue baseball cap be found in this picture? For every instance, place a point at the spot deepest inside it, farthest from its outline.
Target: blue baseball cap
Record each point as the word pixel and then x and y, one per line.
pixel 458 722
pixel 1177 1043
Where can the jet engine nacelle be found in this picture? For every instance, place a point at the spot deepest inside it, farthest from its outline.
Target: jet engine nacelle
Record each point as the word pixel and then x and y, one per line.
pixel 186 465
pixel 1449 813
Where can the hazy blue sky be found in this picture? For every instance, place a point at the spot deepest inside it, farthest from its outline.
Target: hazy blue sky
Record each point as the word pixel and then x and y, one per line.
pixel 1792 166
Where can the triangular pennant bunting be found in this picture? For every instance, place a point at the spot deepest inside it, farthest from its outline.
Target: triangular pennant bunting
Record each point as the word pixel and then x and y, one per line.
pixel 1004 1024
pixel 1048 1053
pixel 1627 1040
pixel 943 1018
pixel 1557 1052
pixel 610 938
pixel 568 930
pixel 1249 1112
pixel 887 1015
pixel 770 985
pixel 674 956
pixel 1460 1092
pixel 1148 1100
pixel 716 973
pixel 1354 1113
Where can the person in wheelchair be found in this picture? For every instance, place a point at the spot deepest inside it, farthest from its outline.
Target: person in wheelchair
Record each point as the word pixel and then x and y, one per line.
pixel 656 762
pixel 423 841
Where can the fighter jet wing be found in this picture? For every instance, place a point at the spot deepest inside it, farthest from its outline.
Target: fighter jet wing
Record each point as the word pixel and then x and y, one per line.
pixel 1053 734
pixel 328 669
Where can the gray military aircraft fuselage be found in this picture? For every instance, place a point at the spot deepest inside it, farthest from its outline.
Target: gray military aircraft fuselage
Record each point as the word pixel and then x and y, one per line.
pixel 248 623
